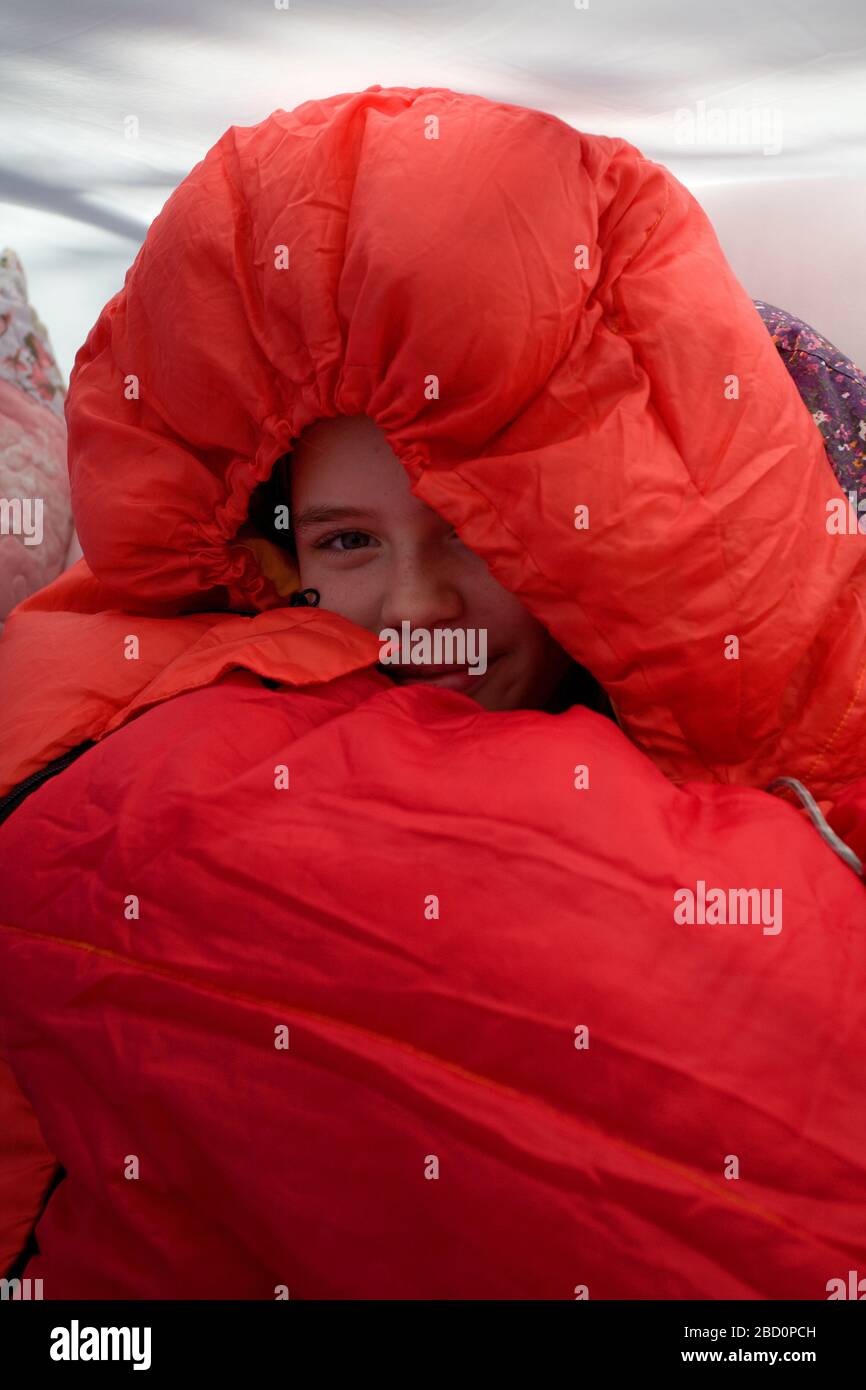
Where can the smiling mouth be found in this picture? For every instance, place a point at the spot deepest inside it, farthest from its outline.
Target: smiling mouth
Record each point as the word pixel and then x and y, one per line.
pixel 448 677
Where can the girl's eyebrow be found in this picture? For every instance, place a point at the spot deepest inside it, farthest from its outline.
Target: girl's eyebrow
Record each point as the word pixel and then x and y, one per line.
pixel 313 516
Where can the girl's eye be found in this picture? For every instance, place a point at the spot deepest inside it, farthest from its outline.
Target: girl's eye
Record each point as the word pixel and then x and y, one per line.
pixel 325 542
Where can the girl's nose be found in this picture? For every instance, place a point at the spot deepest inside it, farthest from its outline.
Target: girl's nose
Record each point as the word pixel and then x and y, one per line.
pixel 421 594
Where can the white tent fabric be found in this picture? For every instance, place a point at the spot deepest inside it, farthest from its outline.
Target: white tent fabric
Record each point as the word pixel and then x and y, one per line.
pixel 757 106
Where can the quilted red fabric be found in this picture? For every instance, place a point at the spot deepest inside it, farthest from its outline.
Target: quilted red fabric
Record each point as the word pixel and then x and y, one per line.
pixel 431 909
pixel 511 1070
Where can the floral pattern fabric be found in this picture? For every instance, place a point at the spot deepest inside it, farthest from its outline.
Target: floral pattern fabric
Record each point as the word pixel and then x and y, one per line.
pixel 833 389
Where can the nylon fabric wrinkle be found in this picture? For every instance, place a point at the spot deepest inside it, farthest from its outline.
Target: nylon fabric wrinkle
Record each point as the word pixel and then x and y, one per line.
pixel 328 918
pixel 183 980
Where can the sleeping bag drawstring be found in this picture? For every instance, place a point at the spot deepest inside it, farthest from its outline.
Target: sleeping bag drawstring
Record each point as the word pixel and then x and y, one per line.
pixel 299 599
pixel 817 818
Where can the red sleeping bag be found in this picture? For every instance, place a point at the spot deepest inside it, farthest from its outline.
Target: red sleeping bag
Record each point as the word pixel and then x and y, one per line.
pixel 318 985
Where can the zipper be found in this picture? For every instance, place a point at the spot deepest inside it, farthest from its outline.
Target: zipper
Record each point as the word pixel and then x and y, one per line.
pixel 12 800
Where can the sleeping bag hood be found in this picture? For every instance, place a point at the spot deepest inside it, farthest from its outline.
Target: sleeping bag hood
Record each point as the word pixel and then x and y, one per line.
pixel 506 1068
pixel 544 325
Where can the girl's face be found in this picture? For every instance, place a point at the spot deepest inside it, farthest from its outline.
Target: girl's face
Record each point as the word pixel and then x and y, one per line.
pixel 380 556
